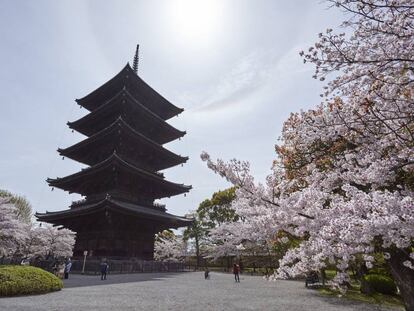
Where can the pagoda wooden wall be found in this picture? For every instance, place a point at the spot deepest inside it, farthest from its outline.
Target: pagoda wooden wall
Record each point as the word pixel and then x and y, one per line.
pixel 116 235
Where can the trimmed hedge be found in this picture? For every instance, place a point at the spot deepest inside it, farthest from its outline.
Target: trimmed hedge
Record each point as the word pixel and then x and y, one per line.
pixel 26 280
pixel 379 283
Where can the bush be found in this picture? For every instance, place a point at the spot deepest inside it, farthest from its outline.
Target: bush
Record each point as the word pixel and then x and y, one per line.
pixel 25 280
pixel 378 283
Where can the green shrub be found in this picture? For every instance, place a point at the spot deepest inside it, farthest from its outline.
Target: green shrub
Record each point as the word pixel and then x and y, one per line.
pixel 25 280
pixel 379 283
pixel 379 270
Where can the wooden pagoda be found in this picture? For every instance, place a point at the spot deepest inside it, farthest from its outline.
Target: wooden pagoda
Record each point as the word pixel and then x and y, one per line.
pixel 125 130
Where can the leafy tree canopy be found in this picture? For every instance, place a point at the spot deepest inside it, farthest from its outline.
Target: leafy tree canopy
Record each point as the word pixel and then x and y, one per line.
pixel 23 207
pixel 218 210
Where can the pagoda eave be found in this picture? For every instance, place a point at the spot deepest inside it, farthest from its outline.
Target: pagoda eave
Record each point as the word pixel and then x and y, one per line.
pixel 122 104
pixel 101 145
pixel 114 206
pixel 107 170
pixel 127 78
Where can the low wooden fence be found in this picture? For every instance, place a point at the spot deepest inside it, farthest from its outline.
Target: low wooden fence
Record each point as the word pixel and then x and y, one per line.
pixel 128 266
pixel 92 266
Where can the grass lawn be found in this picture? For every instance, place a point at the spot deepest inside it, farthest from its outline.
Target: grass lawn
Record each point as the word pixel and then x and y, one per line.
pixel 355 294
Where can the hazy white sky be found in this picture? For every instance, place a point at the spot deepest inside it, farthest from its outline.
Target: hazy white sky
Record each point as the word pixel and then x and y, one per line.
pixel 232 65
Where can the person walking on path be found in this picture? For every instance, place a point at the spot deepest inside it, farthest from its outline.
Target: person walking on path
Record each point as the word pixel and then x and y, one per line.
pixel 236 271
pixel 68 266
pixel 206 274
pixel 104 269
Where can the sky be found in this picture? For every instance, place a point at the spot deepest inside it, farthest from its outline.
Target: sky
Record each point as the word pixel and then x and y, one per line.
pixel 233 65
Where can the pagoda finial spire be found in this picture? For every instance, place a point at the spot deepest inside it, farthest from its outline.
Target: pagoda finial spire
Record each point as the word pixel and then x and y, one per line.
pixel 136 59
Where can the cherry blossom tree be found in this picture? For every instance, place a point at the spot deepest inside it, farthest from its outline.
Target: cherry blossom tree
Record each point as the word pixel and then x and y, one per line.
pixel 50 242
pixel 170 248
pixel 344 178
pixel 227 238
pixel 224 240
pixel 373 124
pixel 33 245
pixel 13 232
pixel 19 238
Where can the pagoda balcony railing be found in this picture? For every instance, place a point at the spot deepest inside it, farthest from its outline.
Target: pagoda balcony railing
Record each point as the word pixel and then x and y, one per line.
pixel 89 199
pixel 126 197
pixel 77 203
pixel 159 206
pixel 120 196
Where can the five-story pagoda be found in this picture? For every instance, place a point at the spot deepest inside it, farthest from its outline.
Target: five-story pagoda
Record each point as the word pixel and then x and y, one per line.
pixel 125 130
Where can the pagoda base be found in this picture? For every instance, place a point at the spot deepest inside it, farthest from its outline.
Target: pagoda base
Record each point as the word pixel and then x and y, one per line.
pixel 121 237
pixel 114 229
pixel 121 244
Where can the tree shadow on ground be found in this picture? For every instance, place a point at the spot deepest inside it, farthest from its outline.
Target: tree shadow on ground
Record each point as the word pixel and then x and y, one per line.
pixel 79 280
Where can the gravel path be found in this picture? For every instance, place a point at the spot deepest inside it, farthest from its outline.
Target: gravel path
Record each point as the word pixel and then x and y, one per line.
pixel 181 291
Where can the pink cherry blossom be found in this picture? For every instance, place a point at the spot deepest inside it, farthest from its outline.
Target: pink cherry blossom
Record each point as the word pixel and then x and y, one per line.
pixel 343 178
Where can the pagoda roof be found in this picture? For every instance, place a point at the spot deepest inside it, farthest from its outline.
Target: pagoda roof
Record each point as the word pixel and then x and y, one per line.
pixel 140 118
pixel 99 146
pixel 139 88
pixel 87 181
pixel 109 204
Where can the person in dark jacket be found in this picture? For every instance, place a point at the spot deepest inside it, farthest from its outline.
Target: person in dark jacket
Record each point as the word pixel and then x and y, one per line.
pixel 68 266
pixel 104 269
pixel 206 274
pixel 236 271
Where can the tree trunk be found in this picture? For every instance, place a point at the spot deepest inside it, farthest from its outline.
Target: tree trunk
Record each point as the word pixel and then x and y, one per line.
pixel 197 252
pixel 323 276
pixel 403 277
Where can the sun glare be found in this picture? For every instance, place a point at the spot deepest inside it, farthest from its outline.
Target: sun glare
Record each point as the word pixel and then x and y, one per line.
pixel 196 19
